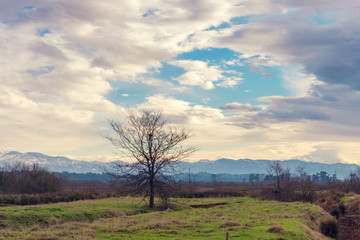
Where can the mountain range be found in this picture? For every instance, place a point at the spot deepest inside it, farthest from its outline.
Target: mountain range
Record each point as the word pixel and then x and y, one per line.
pixel 54 164
pixel 220 166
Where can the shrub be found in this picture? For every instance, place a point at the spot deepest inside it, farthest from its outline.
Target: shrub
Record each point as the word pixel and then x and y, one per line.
pixel 335 212
pixel 342 209
pixel 329 228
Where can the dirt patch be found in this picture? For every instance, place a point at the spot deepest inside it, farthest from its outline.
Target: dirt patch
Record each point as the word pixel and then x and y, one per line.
pixel 208 205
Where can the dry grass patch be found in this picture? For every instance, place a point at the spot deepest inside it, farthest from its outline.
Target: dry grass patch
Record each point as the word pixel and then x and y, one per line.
pixel 229 224
pixel 276 229
pixel 352 205
pixel 313 233
pixel 69 230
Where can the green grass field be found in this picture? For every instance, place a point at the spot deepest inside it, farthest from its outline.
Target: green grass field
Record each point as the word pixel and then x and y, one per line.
pixel 128 218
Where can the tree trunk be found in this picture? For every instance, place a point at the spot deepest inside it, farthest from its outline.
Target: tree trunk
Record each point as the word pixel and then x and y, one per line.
pixel 152 193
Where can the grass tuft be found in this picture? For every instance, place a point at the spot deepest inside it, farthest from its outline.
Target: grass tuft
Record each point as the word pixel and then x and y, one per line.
pixel 276 229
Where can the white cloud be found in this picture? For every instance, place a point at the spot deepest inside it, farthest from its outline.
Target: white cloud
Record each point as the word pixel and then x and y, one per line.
pixel 230 82
pixel 182 111
pixel 199 73
pixel 298 81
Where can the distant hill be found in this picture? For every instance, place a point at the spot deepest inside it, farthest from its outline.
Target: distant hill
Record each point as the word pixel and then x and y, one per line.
pixel 221 166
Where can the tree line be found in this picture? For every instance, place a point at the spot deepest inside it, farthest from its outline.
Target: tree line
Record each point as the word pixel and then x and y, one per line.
pixel 23 178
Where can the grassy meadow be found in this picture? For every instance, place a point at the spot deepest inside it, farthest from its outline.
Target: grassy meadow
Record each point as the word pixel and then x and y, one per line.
pixel 128 218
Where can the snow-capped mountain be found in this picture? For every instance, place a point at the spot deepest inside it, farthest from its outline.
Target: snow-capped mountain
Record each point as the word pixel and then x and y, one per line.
pixel 54 164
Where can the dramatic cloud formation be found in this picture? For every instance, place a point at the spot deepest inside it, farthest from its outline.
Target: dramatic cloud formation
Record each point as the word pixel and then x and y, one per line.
pixel 253 79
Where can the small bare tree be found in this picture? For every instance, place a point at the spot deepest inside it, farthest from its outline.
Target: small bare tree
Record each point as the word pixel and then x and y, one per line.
pixel 306 185
pixel 154 146
pixel 275 169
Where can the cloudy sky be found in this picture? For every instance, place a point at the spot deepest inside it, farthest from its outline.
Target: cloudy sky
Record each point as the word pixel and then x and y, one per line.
pixel 255 79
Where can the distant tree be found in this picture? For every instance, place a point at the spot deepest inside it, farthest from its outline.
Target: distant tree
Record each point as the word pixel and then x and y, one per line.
pixel 214 178
pixel 254 177
pixel 353 178
pixel 353 181
pixel 324 176
pixel 151 147
pixel 276 170
pixel 333 178
pixel 306 185
pixel 285 175
pixel 23 178
pixel 321 176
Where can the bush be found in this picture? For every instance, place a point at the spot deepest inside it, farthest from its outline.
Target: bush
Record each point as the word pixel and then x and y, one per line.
pixel 335 212
pixel 329 228
pixel 342 209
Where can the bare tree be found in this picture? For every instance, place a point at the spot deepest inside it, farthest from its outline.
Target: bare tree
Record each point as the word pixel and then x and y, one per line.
pixel 275 169
pixel 306 185
pixel 154 146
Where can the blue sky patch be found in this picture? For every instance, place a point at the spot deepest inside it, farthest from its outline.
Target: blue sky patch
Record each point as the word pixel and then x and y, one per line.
pixel 221 26
pixel 43 32
pixel 151 12
pixel 41 71
pixel 324 18
pixel 30 8
pixel 210 54
pixel 240 20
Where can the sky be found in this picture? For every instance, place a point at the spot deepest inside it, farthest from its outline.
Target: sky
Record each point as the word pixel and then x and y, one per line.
pixel 253 79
